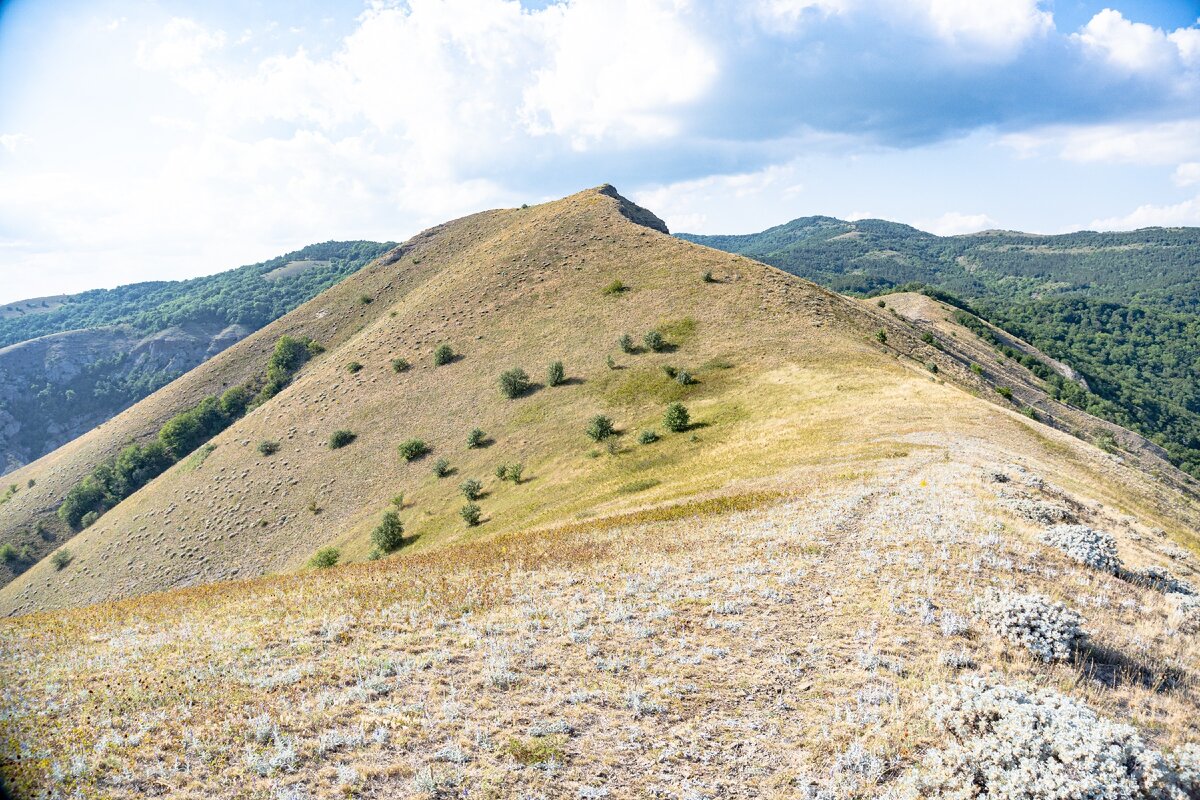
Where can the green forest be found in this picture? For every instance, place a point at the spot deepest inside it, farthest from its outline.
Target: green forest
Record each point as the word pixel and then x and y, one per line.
pixel 241 296
pixel 1122 308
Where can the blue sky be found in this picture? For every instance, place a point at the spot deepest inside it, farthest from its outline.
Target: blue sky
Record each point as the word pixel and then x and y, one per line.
pixel 149 140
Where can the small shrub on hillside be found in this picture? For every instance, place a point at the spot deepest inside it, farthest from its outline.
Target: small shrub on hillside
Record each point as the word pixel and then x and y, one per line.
pixel 268 448
pixel 684 377
pixel 514 472
pixel 89 519
pixel 1004 392
pixel 555 374
pixel 441 468
pixel 471 489
pixel 881 335
pixel 708 277
pixel 400 364
pixel 353 367
pixel 388 535
pixel 978 370
pixel 599 428
pixel 443 354
pixel 514 382
pixel 476 438
pixel 654 341
pixel 616 287
pixel 932 367
pixel 647 437
pixel 324 558
pixel 412 449
pixel 611 362
pixel 626 343
pixel 676 418
pixel 366 299
pixel 670 371
pixel 1008 742
pixel 471 514
pixel 398 500
pixel 340 439
pixel 1047 630
pixel 61 558
pixel 881 304
pixel 1088 546
pixel 1161 580
pixel 502 472
pixel 9 554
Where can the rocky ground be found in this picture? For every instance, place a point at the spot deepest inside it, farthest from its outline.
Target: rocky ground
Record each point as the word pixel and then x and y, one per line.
pixel 775 646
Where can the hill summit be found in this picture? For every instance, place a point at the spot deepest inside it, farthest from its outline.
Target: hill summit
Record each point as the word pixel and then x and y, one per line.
pixel 557 504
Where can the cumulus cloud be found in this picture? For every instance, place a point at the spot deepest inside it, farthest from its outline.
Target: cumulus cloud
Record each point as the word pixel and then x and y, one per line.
pixel 953 223
pixel 1187 174
pixel 1127 142
pixel 182 43
pixel 1138 47
pixel 1184 214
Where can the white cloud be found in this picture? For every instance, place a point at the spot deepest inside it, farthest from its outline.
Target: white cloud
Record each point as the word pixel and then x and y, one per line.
pixel 685 205
pixel 1131 143
pixel 12 142
pixel 1182 214
pixel 182 43
pixel 1187 174
pixel 1136 46
pixel 953 223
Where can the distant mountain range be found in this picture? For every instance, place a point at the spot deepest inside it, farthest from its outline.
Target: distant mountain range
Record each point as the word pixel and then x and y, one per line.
pixel 1123 309
pixel 70 362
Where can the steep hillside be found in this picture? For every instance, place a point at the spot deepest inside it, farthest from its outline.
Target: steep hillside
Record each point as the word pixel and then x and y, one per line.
pixel 837 580
pixel 504 289
pixel 1121 308
pixel 70 362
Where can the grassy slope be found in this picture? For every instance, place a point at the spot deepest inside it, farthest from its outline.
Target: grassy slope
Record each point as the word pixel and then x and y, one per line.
pixel 724 629
pixel 787 373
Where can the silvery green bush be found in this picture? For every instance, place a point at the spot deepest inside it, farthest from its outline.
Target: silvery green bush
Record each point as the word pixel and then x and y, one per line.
pixel 1088 546
pixel 1048 630
pixel 1010 743
pixel 1162 580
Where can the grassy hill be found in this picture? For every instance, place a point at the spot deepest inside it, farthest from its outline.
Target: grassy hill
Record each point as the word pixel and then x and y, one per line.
pixel 1123 309
pixel 70 362
pixel 757 604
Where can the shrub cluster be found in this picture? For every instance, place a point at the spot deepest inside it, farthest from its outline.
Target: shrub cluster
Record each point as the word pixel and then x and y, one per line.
pixel 676 418
pixel 1088 546
pixel 1161 580
pixel 599 428
pixel 1047 630
pixel 412 449
pixel 324 558
pixel 514 382
pixel 1006 742
pixel 510 472
pixel 340 439
pixel 388 535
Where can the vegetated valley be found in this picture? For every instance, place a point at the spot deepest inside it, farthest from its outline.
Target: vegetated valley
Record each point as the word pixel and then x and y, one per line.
pixel 546 502
pixel 1122 309
pixel 69 363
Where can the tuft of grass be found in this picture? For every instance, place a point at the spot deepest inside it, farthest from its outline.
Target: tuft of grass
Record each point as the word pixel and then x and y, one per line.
pixel 616 287
pixel 325 558
pixel 340 439
pixel 537 749
pixel 61 558
pixel 1004 392
pixel 412 449
pixel 678 331
pixel 638 486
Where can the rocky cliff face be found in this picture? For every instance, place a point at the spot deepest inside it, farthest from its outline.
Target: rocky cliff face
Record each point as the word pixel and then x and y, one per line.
pixel 55 388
